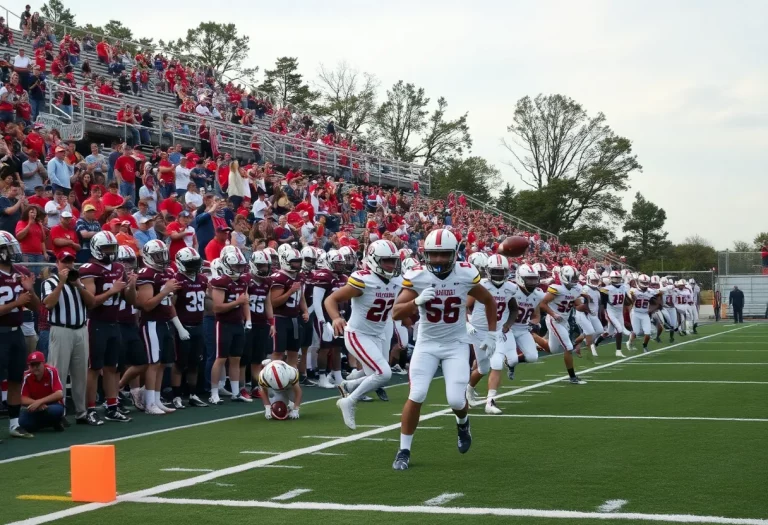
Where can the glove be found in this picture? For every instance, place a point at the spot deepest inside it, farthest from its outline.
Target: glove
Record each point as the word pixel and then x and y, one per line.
pixel 327 332
pixel 268 412
pixel 183 334
pixel 471 330
pixel 489 344
pixel 248 325
pixel 424 297
pixel 293 414
pixel 535 328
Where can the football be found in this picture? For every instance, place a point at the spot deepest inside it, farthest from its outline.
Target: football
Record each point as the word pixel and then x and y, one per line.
pixel 279 410
pixel 514 246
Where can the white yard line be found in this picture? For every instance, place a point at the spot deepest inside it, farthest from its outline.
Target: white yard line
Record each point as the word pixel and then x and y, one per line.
pixel 369 426
pixel 648 418
pixel 443 498
pixel 463 511
pixel 709 382
pixel 612 505
pixel 334 441
pixel 291 494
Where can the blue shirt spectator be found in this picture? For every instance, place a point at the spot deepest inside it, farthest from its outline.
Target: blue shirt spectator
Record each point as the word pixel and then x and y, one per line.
pixel 59 172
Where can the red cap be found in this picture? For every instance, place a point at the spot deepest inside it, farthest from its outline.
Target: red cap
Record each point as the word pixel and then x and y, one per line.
pixel 35 357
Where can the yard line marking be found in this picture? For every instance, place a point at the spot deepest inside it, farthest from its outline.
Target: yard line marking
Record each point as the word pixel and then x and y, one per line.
pixel 713 363
pixel 328 454
pixel 612 505
pixel 465 511
pixel 179 469
pixel 429 428
pixel 505 402
pixel 260 452
pixel 443 498
pixel 649 418
pixel 291 494
pixel 438 405
pixel 43 497
pixel 236 469
pixel 677 381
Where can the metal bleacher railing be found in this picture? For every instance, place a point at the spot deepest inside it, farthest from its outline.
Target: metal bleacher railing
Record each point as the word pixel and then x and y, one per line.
pixel 100 115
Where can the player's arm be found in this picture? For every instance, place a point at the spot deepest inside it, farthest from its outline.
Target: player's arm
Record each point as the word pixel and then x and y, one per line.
pixel 219 306
pixel 405 304
pixel 603 299
pixel 303 307
pixel 655 304
pixel 280 295
pixel 246 307
pixel 98 300
pixel 581 304
pixel 512 305
pixel 544 305
pixel 318 294
pixel 470 305
pixel 484 296
pixel 536 317
pixel 296 389
pixel 331 303
pixel 145 298
pixel 629 300
pixel 130 290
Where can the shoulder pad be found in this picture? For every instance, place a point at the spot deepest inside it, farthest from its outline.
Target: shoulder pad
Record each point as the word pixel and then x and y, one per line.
pixel 553 289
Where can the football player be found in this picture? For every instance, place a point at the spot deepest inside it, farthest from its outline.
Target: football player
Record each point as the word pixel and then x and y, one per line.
pixel 695 303
pixel 587 309
pixel 16 292
pixel 613 299
pixel 309 257
pixel 503 292
pixel 644 301
pixel 261 337
pixel 288 304
pixel 132 353
pixel 438 291
pixel 668 293
pixel 372 293
pixel 190 305
pixel 657 318
pixel 231 306
pixel 323 281
pixel 562 296
pixel 105 279
pixel 528 298
pixel 279 381
pixel 682 303
pixel 480 261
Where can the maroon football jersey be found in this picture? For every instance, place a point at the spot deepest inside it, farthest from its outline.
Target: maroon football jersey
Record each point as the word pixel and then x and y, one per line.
pixel 190 298
pixel 323 279
pixel 232 289
pixel 306 278
pixel 161 312
pixel 345 308
pixel 127 312
pixel 104 277
pixel 292 307
pixel 10 290
pixel 258 294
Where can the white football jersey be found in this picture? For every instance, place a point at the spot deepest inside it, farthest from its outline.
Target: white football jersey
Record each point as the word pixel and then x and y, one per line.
pixel 443 319
pixel 692 293
pixel 682 298
pixel 526 305
pixel 371 310
pixel 641 299
pixel 668 295
pixel 594 298
pixel 616 295
pixel 564 298
pixel 501 294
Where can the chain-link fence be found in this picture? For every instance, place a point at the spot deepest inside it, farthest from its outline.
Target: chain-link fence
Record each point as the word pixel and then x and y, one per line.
pixel 740 263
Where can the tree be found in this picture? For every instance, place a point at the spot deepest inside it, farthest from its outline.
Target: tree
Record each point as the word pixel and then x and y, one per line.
pixel 348 96
pixel 507 200
pixel 287 85
pixel 55 11
pixel 218 46
pixel 760 240
pixel 444 139
pixel 694 253
pixel 742 246
pixel 556 141
pixel 116 29
pixel 644 227
pixel 472 175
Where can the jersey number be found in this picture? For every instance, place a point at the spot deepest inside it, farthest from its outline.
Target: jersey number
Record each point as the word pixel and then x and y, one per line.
pixel 294 299
pixel 500 308
pixel 449 314
pixel 524 315
pixel 642 303
pixel 196 301
pixel 565 307
pixel 7 295
pixel 670 302
pixel 618 299
pixel 379 310
pixel 257 303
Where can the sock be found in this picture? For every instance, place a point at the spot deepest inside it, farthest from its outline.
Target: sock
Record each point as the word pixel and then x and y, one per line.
pixel 571 373
pixel 222 382
pixel 491 395
pixel 598 341
pixel 149 398
pixel 158 399
pixel 111 402
pixel 214 394
pixel 337 376
pixel 14 422
pixel 462 420
pixel 91 406
pixel 4 388
pixel 235 387
pixel 405 442
pixel 13 415
pixel 176 391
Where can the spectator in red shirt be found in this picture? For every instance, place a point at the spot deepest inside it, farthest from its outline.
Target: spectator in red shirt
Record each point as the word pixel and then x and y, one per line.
pixel 125 173
pixel 182 235
pixel 171 205
pixel 112 200
pixel 124 214
pixel 96 201
pixel 219 241
pixel 166 174
pixel 64 236
pixel 39 199
pixel 31 236
pixel 42 394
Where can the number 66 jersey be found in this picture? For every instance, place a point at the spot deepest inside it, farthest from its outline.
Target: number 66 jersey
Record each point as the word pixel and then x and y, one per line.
pixel 371 310
pixel 443 319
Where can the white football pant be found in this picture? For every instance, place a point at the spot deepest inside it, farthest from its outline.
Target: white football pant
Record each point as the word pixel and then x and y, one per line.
pixel 453 358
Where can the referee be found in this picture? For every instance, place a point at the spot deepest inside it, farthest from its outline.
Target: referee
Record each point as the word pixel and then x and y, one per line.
pixel 66 300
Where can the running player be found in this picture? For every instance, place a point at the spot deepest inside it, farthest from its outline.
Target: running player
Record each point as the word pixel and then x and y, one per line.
pixel 613 299
pixel 682 303
pixel 528 298
pixel 668 293
pixel 645 301
pixel 587 309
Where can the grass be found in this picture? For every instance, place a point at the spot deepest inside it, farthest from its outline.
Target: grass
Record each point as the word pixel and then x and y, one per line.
pixel 659 466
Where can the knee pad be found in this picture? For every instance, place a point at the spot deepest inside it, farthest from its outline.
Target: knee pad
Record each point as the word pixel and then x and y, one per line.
pixel 456 398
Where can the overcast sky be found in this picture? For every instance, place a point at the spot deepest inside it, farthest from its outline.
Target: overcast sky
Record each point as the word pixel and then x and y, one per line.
pixel 687 82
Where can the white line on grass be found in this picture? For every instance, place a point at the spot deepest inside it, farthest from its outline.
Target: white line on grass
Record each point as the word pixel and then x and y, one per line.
pixel 369 426
pixel 462 511
pixel 179 469
pixel 236 469
pixel 443 498
pixel 291 494
pixel 612 505
pixel 710 382
pixel 649 418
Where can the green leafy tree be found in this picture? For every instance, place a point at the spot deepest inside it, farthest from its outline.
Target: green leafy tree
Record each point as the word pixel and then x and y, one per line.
pixel 218 46
pixel 348 97
pixel 742 246
pixel 507 200
pixel 646 238
pixel 55 11
pixel 116 29
pixel 554 141
pixel 472 175
pixel 694 253
pixel 761 239
pixel 287 85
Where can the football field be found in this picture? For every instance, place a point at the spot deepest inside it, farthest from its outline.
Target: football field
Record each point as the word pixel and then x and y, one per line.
pixel 678 435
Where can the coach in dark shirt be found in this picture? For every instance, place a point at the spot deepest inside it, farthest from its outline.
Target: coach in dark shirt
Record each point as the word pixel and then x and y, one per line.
pixel 736 300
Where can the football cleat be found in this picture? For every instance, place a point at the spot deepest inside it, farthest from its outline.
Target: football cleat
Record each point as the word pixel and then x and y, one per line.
pixel 195 401
pixel 347 407
pixel 491 408
pixel 224 392
pixel 382 394
pixel 402 459
pixel 465 437
pixel 575 380
pixel 658 339
pixel 398 370
pixel 324 381
pixel 594 350
pixel 242 397
pixel 19 432
pixel 215 401
pixel 344 389
pixel 93 419
pixel 472 398
pixel 511 372
pixel 154 410
pixel 619 354
pixel 138 399
pixel 116 416
pixel 167 410
pixel 366 399
pixel 178 403
pixel 645 349
pixel 306 381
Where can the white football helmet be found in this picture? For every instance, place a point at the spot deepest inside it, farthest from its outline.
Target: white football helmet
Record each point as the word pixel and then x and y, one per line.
pixel 335 261
pixel 498 269
pixel 261 265
pixel 692 282
pixel 10 250
pixel 616 278
pixel 643 281
pixel 322 262
pixel 188 261
pixel 541 268
pixel 233 262
pixel 350 258
pixel 408 264
pixel 664 282
pixel 154 254
pixel 440 242
pixel 127 257
pixel 216 268
pixel 278 375
pixel 556 271
pixel 527 278
pixel 383 259
pixel 274 259
pixel 104 247
pixel 290 260
pixel 593 278
pixel 655 282
pixel 569 277
pixel 308 258
pixel 681 283
pixel 480 261
pixel 405 253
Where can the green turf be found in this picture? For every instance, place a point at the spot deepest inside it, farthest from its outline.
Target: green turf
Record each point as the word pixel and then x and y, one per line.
pixel 712 468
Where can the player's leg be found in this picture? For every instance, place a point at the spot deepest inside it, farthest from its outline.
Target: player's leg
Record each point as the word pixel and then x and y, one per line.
pixel 616 328
pixel 261 343
pixel 15 349
pixel 223 345
pixel 456 375
pixel 154 369
pixel 483 367
pixel 559 341
pixel 182 349
pixel 110 377
pixel 195 360
pixel 97 347
pixel 237 347
pixel 245 364
pixel 506 350
pixel 670 316
pixel 292 343
pixel 645 326
pixel 136 359
pixel 369 351
pixel 658 320
pixel 587 330
pixel 637 327
pixel 282 330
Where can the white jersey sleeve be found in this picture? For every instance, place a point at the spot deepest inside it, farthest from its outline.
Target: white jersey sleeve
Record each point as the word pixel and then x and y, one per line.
pixel 594 298
pixel 371 310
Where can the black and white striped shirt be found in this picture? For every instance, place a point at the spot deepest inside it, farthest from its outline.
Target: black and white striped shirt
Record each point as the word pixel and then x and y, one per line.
pixel 69 311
